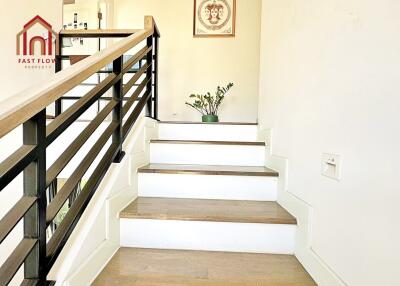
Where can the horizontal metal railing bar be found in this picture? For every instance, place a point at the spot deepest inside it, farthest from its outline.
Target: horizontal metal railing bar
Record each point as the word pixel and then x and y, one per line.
pixel 106 72
pixel 14 164
pixel 61 197
pixel 67 57
pixel 135 114
pixel 12 218
pixel 109 69
pixel 65 119
pixel 29 102
pixel 135 59
pixel 135 96
pixel 101 98
pixel 98 33
pixel 63 232
pixel 134 79
pixel 72 149
pixel 15 260
pixel 29 282
pixel 87 84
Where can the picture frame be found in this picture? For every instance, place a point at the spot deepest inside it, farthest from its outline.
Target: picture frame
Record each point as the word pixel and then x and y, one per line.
pixel 214 18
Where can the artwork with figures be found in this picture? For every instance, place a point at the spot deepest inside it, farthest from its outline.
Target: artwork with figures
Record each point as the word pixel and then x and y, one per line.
pixel 214 18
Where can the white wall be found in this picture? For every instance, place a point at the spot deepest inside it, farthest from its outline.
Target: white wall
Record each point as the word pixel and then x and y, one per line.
pixel 189 65
pixel 330 83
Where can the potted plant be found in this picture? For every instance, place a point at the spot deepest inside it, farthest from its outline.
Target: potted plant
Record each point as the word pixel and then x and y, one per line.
pixel 208 105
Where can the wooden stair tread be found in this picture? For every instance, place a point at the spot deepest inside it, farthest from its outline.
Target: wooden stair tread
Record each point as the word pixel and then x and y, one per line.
pixel 239 143
pixel 208 170
pixel 209 123
pixel 133 267
pixel 207 210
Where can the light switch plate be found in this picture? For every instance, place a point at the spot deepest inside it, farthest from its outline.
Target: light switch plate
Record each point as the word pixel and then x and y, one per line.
pixel 330 166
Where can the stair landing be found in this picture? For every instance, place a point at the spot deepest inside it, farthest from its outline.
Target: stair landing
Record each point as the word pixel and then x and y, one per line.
pixel 152 267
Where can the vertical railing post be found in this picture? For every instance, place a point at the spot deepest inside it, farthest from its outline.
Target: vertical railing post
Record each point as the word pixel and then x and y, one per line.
pixel 117 112
pixel 156 38
pixel 34 177
pixel 58 67
pixel 149 75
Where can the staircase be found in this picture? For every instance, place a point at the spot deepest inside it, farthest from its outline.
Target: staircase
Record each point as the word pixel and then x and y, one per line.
pixel 206 211
pixel 206 205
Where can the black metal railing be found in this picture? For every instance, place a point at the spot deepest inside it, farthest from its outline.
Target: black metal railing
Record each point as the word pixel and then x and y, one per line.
pixel 136 69
pixel 42 200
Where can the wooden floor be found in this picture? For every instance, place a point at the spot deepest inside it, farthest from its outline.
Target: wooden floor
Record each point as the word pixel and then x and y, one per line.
pixel 208 210
pixel 151 267
pixel 208 170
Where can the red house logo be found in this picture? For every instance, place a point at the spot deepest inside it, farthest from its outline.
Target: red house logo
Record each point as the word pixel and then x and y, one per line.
pixel 29 41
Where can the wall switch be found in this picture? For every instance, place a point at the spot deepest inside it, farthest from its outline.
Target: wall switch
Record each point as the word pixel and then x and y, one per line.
pixel 330 166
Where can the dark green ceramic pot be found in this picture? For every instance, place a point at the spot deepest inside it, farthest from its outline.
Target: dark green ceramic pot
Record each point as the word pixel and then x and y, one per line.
pixel 210 118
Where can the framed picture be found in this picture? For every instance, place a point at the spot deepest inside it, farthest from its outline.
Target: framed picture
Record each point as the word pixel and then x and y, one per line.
pixel 214 18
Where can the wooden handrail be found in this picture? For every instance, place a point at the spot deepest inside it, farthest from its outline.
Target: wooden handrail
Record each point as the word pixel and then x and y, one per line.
pixel 26 104
pixel 104 33
pixel 149 23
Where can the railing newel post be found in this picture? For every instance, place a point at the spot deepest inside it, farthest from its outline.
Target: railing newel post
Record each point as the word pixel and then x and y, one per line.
pixel 149 75
pixel 156 43
pixel 117 116
pixel 58 67
pixel 34 185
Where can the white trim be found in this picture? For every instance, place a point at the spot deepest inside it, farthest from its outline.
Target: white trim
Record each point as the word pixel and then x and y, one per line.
pixel 208 236
pixel 210 132
pixel 216 187
pixel 314 264
pixel 207 154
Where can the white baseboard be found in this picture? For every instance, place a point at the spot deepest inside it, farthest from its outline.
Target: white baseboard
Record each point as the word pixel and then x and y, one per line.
pixel 315 266
pixel 96 236
pixel 92 267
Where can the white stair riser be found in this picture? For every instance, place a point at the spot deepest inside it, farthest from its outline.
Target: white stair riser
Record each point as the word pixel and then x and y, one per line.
pixel 218 187
pixel 207 154
pixel 208 132
pixel 208 236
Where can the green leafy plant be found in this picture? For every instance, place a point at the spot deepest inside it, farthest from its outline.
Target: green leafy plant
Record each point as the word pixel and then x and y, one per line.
pixel 208 104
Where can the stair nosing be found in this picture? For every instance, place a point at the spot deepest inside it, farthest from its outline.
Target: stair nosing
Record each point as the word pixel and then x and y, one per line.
pixel 237 143
pixel 208 219
pixel 153 170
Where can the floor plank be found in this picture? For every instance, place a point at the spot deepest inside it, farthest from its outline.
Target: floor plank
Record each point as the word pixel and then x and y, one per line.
pixel 152 267
pixel 208 210
pixel 208 170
